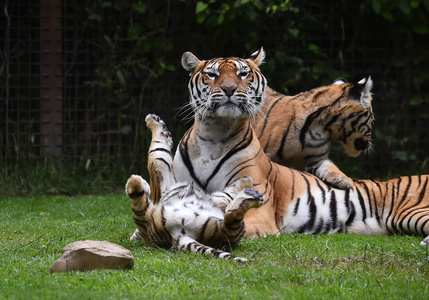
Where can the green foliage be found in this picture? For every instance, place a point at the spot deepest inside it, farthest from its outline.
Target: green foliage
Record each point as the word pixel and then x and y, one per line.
pixel 412 14
pixel 122 61
pixel 34 231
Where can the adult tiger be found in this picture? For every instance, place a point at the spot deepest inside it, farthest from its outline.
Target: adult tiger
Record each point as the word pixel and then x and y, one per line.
pixel 296 131
pixel 221 146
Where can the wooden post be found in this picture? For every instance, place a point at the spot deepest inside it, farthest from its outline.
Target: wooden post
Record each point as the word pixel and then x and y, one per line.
pixel 51 79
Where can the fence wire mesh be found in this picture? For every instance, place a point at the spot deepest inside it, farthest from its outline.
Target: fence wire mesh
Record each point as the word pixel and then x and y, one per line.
pixel 76 87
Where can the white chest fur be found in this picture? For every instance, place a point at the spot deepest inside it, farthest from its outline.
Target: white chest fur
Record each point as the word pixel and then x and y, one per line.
pixel 211 153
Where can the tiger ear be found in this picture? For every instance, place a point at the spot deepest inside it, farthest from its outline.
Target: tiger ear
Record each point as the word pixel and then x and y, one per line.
pixel 258 56
pixel 190 61
pixel 339 81
pixel 362 91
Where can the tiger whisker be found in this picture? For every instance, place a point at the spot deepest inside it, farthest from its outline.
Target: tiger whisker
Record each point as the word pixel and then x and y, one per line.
pixel 371 148
pixel 185 109
pixel 261 111
pixel 262 115
pixel 188 112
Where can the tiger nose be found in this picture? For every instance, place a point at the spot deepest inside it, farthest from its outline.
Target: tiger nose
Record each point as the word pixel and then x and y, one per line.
pixel 228 89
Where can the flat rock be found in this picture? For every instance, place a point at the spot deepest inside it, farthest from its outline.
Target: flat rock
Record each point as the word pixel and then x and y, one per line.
pixel 92 255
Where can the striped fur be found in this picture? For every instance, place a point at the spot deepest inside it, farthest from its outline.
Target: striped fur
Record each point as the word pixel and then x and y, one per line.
pixel 221 147
pixel 297 131
pixel 185 217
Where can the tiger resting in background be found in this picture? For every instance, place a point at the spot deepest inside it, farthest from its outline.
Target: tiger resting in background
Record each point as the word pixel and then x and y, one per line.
pixel 221 146
pixel 185 217
pixel 296 131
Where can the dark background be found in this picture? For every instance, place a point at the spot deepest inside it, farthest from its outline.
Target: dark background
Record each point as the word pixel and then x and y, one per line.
pixel 77 78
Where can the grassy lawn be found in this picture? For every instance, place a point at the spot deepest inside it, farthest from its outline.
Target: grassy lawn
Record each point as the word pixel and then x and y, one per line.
pixel 33 232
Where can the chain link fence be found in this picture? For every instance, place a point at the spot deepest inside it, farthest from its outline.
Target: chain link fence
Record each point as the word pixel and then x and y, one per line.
pixel 77 79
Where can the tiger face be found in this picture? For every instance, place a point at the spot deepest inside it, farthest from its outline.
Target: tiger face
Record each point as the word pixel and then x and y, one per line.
pixel 360 138
pixel 355 130
pixel 226 87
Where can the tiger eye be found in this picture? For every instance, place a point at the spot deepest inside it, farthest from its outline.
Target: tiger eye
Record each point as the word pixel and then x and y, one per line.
pixel 243 74
pixel 211 75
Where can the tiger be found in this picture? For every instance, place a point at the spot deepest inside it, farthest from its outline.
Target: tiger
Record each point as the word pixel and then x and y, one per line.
pixel 221 145
pixel 185 217
pixel 297 131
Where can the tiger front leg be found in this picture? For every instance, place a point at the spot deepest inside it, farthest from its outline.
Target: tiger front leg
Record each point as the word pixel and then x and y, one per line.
pixel 160 160
pixel 138 190
pixel 235 211
pixel 327 171
pixel 223 198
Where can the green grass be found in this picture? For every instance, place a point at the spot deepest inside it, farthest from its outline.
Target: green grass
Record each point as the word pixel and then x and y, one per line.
pixel 33 232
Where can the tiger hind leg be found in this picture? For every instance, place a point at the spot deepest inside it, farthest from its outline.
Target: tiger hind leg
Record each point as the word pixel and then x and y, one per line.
pixel 160 160
pixel 187 244
pixel 138 190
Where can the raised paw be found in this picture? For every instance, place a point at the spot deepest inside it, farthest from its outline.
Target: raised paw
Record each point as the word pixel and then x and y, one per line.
pixel 257 195
pixel 224 198
pixel 136 187
pixel 159 129
pixel 245 200
pixel 154 121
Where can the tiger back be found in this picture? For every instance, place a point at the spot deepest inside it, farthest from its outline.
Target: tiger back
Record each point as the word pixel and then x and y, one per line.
pixel 297 131
pixel 221 146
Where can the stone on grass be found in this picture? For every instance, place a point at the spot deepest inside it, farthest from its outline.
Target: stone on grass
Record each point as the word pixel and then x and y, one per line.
pixel 92 255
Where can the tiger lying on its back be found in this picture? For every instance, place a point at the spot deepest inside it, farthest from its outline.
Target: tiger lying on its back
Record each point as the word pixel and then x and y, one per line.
pixel 186 218
pixel 296 131
pixel 221 146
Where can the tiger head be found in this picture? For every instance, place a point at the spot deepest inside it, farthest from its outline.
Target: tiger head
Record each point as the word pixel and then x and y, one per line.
pixel 354 129
pixel 226 87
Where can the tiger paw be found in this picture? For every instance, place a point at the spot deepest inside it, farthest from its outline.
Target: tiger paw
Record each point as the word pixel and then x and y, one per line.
pixel 159 129
pixel 245 200
pixel 136 187
pixel 425 242
pixel 256 195
pixel 339 181
pixel 327 171
pixel 136 236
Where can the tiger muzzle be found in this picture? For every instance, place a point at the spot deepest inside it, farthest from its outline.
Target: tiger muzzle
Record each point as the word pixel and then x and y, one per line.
pixel 361 144
pixel 229 89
